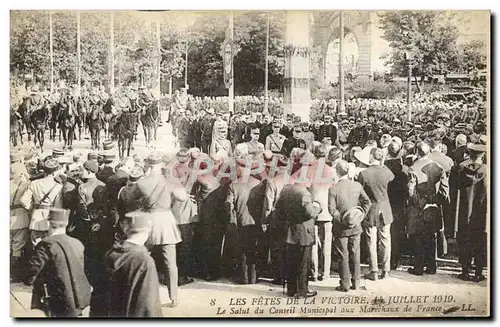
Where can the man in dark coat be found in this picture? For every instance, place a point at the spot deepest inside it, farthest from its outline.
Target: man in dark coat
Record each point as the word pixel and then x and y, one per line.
pixel 245 215
pixel 293 142
pixel 397 190
pixel 427 186
pixel 56 271
pixel 472 211
pixel 297 210
pixel 132 285
pixel 377 224
pixel 344 197
pixel 327 130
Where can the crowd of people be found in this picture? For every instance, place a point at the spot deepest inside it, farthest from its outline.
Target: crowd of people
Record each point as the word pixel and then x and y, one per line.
pixel 252 197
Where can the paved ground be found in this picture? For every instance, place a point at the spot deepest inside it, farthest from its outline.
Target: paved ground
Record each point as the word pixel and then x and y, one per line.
pixel 163 142
pixel 196 298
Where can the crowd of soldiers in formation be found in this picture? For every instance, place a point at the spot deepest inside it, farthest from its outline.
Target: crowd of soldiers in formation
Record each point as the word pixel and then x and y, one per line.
pixel 253 198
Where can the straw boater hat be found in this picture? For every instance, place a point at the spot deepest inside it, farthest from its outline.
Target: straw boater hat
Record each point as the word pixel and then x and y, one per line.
pixel 108 145
pixel 135 173
pixel 57 152
pixel 476 147
pixel 155 157
pixel 92 156
pixel 109 157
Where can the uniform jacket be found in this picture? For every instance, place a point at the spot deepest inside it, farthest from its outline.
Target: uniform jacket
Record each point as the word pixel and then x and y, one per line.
pixel 295 206
pixel 132 287
pixel 342 197
pixel 19 217
pixel 375 181
pixel 327 131
pixel 58 263
pixel 274 142
pixel 291 143
pixel 46 192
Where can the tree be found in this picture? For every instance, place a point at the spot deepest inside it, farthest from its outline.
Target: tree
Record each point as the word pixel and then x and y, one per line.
pixel 29 43
pixel 430 36
pixel 472 56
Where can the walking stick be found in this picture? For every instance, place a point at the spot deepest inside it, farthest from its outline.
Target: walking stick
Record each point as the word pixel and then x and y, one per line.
pixel 457 206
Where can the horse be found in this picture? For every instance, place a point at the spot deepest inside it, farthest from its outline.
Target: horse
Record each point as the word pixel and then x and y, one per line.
pixel 25 113
pixel 81 117
pixel 39 119
pixel 67 121
pixel 95 121
pixel 124 130
pixel 109 118
pixel 14 127
pixel 54 119
pixel 149 120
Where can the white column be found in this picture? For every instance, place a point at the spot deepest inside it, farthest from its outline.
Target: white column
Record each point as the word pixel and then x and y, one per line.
pixel 297 98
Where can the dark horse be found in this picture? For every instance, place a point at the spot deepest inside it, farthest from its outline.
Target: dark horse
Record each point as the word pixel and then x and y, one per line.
pixel 110 118
pixel 24 111
pixel 39 120
pixel 95 121
pixel 81 118
pixel 124 129
pixel 15 125
pixel 67 121
pixel 149 120
pixel 53 121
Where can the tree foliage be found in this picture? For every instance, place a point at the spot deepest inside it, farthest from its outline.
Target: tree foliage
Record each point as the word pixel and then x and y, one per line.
pixel 430 37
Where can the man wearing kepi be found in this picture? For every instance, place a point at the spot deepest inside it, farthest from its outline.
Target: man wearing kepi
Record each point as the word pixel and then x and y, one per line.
pixel 39 197
pixel 60 287
pixel 132 288
pixel 296 208
pixel 157 193
pixel 348 204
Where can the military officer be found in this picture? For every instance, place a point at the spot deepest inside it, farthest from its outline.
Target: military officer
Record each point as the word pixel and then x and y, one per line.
pixel 39 197
pixel 274 141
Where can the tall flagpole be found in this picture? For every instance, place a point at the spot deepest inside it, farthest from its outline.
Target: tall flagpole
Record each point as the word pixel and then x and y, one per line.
pixel 266 100
pixel 78 51
pixel 186 63
pixel 112 54
pixel 341 63
pixel 158 40
pixel 231 87
pixel 51 45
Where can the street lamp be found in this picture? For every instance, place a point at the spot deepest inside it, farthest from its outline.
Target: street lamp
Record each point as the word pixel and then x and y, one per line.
pixel 409 56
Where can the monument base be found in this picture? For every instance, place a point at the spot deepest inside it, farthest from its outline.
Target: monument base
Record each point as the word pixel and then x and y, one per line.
pixel 302 110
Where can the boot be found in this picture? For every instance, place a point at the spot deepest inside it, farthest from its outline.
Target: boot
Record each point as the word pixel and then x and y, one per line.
pixel 465 273
pixel 252 271
pixel 243 274
pixel 15 269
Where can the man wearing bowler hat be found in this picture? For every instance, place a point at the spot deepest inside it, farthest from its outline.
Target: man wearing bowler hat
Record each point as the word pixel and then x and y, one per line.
pixel 55 270
pixel 132 288
pixel 472 212
pixel 108 169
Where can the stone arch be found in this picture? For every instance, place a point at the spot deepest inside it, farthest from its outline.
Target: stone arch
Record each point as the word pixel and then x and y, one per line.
pixel 326 29
pixel 331 60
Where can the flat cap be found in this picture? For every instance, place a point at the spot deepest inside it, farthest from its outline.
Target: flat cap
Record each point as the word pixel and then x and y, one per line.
pixel 58 215
pixel 91 166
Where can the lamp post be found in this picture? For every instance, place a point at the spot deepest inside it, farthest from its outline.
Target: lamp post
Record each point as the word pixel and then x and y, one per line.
pixel 408 56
